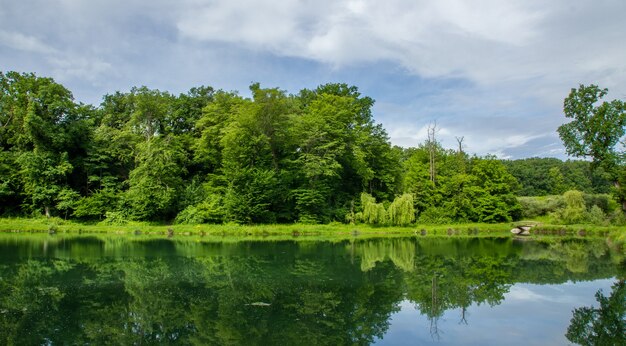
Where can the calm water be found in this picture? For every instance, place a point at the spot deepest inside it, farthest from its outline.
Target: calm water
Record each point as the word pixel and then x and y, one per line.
pixel 400 291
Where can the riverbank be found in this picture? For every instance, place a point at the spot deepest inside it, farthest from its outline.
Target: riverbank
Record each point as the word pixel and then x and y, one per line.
pixel 615 235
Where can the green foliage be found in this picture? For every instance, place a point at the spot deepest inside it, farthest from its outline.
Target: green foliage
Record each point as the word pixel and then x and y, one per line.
pixel 603 325
pixel 211 210
pixel 251 195
pixel 115 218
pixel 476 190
pixel 595 131
pixel 43 175
pixel 596 216
pixel 67 201
pixel 550 176
pixel 533 207
pixel 155 182
pixel 373 213
pixel 435 215
pixel 574 211
pixel 96 205
pixel 401 211
pixel 209 156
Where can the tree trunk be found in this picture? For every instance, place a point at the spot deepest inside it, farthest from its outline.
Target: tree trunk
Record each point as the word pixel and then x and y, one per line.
pixel 47 211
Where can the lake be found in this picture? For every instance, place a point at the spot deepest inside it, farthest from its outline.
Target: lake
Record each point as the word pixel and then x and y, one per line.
pixel 95 289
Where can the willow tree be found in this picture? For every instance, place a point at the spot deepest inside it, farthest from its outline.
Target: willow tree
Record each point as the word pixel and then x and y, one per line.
pixel 373 213
pixel 402 212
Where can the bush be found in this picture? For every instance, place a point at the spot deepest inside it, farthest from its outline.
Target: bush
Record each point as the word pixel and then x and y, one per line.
pixel 434 215
pixel 617 217
pixel 539 206
pixel 115 218
pixel 210 210
pixel 596 216
pixel 603 201
pixel 575 211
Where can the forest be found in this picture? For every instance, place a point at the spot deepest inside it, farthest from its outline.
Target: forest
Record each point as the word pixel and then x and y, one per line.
pixel 318 156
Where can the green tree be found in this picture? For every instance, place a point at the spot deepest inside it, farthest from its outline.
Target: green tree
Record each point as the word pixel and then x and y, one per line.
pixel 44 133
pixel 596 129
pixel 401 210
pixel 156 181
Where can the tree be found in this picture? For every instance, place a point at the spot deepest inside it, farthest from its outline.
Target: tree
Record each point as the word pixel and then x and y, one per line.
pixel 604 325
pixel 157 179
pixel 595 129
pixel 401 211
pixel 43 133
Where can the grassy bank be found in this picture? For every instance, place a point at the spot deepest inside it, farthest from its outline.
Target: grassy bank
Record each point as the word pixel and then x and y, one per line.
pixel 615 235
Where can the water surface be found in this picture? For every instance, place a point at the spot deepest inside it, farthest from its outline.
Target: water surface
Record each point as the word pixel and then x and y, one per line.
pixel 445 291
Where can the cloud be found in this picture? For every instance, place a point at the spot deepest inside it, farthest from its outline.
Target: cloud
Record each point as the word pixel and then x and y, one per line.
pixel 19 41
pixel 487 41
pixel 493 71
pixel 75 67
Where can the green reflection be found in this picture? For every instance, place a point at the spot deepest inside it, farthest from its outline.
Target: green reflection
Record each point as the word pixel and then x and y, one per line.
pixel 605 325
pixel 134 290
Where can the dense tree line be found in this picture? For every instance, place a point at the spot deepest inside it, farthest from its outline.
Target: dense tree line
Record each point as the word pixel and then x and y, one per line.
pixel 211 156
pixel 551 176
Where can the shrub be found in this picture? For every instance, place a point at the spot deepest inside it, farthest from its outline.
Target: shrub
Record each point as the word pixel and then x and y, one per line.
pixel 434 215
pixel 596 216
pixel 115 218
pixel 211 210
pixel 539 206
pixel 575 211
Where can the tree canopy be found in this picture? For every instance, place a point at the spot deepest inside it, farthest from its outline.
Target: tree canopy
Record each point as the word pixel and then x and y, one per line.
pixel 209 155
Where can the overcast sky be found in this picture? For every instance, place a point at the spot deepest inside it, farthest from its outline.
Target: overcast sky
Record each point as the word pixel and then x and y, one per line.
pixel 492 71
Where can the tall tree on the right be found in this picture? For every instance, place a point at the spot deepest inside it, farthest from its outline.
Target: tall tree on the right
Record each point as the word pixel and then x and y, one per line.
pixel 595 132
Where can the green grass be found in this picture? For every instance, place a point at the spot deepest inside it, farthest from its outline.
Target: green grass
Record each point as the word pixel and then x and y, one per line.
pixel 334 231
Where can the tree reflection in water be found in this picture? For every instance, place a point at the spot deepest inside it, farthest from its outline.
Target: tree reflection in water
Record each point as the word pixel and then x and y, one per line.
pixel 117 290
pixel 605 325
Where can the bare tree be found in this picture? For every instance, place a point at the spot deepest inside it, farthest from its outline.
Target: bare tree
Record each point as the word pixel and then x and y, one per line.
pixel 460 141
pixel 461 154
pixel 432 150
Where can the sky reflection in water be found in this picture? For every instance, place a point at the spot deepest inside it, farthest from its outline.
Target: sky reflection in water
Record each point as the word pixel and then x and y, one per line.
pixel 530 315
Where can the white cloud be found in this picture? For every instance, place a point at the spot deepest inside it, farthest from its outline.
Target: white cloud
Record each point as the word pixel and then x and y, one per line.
pixel 488 41
pixel 19 41
pixel 493 71
pixel 77 67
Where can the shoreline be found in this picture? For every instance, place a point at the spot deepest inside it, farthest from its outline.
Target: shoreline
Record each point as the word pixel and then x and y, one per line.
pixel 335 231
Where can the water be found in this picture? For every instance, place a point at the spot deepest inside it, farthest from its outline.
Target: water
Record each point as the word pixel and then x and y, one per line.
pixel 391 291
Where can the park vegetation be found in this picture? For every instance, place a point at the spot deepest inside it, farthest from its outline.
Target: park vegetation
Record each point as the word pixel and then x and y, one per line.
pixel 212 156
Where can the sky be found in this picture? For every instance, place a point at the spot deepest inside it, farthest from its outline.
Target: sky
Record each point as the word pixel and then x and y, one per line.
pixel 492 72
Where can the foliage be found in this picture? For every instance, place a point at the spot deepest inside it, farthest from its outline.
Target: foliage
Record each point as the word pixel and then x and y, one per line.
pixel 604 325
pixel 209 156
pixel 156 180
pixel 198 291
pixel 373 213
pixel 401 211
pixel 465 189
pixel 551 176
pixel 211 210
pixel 533 207
pixel 596 130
